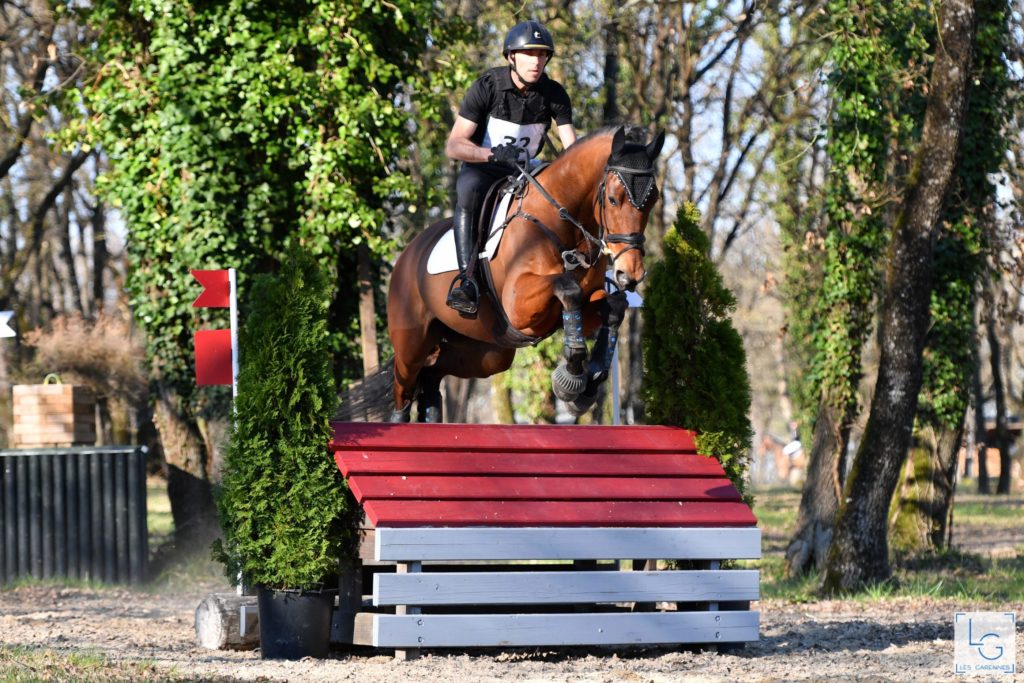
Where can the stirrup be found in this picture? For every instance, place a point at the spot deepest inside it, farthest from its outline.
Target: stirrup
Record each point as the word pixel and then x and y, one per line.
pixel 465 297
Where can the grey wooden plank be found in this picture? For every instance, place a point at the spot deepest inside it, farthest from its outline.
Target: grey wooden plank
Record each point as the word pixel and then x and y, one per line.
pixel 553 588
pixel 565 543
pixel 515 630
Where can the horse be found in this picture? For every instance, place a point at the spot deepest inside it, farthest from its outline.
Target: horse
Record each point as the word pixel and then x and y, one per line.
pixel 583 212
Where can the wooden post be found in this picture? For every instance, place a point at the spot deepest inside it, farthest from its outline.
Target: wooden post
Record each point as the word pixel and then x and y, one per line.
pixel 367 312
pixel 401 610
pixel 644 566
pixel 350 600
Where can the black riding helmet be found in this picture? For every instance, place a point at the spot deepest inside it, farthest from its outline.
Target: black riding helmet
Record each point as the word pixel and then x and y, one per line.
pixel 528 35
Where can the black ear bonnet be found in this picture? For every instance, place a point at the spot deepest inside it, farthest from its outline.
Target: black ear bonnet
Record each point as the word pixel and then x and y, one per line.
pixel 635 170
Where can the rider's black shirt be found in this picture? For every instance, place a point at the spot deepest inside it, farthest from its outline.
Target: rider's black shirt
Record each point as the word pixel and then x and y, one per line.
pixel 505 115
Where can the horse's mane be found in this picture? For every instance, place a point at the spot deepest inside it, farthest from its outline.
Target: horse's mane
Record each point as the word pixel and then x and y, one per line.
pixel 634 134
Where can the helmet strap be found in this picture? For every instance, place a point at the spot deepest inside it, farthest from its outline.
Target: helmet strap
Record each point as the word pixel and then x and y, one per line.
pixel 515 69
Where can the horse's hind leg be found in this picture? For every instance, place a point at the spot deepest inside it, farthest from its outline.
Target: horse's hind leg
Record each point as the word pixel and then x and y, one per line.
pixel 411 355
pixel 612 310
pixel 568 380
pixel 404 391
pixel 429 405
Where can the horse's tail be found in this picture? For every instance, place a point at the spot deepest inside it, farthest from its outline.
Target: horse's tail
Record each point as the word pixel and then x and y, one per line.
pixel 369 399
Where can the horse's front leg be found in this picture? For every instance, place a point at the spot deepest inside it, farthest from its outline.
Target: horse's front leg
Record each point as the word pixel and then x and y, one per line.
pixel 611 310
pixel 569 379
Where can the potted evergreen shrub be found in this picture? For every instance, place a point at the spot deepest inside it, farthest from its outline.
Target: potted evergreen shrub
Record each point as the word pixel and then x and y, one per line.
pixel 282 501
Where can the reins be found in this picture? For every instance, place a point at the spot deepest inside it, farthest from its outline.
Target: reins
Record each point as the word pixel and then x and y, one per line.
pixel 574 258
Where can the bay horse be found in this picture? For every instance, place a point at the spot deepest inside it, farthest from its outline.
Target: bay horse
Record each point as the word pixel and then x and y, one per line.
pixel 589 206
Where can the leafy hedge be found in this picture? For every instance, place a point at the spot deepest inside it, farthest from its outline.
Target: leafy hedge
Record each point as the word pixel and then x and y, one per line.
pixel 282 503
pixel 695 368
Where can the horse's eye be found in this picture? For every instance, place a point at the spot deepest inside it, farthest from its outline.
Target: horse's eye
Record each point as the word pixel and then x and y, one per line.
pixel 613 201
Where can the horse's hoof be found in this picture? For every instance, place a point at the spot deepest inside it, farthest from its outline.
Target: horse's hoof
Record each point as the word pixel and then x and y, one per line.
pixel 432 415
pixel 566 385
pixel 399 416
pixel 583 403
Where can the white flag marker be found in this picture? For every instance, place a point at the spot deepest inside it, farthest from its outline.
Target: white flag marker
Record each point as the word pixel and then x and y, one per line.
pixel 5 329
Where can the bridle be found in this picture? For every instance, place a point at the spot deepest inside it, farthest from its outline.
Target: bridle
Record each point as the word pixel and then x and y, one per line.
pixel 634 240
pixel 573 258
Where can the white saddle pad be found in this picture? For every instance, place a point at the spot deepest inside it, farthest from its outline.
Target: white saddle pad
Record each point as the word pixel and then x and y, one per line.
pixel 443 259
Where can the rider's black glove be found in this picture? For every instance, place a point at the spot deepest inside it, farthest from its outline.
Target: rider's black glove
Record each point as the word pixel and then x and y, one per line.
pixel 505 155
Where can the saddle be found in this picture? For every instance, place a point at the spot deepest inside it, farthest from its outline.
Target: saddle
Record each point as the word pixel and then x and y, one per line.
pixel 489 229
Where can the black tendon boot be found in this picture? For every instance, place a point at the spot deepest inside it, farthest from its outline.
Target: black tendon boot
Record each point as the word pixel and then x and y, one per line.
pixel 462 296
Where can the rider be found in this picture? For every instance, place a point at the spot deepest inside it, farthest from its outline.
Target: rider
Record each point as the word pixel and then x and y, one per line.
pixel 503 119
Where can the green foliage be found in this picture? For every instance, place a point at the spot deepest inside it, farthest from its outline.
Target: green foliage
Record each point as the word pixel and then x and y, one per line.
pixel 879 58
pixel 282 503
pixel 236 129
pixel 529 380
pixel 695 368
pixel 961 247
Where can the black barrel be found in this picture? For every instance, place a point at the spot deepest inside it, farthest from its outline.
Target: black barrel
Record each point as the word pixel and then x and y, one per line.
pixel 77 512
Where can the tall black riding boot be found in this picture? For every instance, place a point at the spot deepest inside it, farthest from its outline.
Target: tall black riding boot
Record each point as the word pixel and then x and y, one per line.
pixel 463 295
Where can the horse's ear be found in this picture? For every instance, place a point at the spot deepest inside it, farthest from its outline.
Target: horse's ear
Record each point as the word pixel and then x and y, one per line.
pixel 654 149
pixel 619 141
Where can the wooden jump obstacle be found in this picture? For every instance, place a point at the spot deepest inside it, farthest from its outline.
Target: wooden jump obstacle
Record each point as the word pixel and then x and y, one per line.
pixel 515 535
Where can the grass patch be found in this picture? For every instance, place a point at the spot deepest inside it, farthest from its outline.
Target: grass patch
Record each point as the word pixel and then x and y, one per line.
pixel 158 512
pixel 950 574
pixel 776 509
pixel 990 511
pixel 23 664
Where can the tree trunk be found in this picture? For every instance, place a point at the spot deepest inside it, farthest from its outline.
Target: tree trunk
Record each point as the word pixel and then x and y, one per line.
pixel 611 114
pixel 367 312
pixel 501 401
pixel 219 622
pixel 819 500
pixel 923 503
pixel 949 443
pixel 188 479
pixel 980 434
pixel 458 392
pixel 99 256
pixel 860 551
pixel 1002 430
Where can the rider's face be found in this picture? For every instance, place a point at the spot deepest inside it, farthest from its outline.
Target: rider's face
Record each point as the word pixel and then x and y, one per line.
pixel 529 64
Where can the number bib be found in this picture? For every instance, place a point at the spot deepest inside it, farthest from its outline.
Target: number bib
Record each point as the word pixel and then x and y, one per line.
pixel 527 135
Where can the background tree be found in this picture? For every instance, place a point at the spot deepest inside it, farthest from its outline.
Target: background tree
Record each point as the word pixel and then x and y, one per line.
pixel 57 256
pixel 233 131
pixel 924 500
pixel 860 553
pixel 876 57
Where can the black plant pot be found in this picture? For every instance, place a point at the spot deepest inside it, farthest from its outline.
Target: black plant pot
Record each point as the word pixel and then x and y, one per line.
pixel 294 624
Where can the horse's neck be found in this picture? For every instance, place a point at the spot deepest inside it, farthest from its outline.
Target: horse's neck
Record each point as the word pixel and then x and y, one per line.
pixel 574 190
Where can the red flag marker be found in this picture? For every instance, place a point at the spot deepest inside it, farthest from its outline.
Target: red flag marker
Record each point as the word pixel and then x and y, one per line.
pixel 217 289
pixel 213 357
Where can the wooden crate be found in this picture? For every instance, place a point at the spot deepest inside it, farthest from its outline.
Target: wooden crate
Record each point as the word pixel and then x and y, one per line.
pixel 48 415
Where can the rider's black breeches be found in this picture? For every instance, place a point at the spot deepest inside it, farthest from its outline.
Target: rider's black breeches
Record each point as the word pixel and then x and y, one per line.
pixel 472 184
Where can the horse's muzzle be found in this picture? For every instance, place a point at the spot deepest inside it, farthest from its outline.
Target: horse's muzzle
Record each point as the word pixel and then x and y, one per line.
pixel 626 281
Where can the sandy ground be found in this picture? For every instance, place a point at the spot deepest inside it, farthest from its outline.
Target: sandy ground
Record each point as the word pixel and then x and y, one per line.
pixel 891 640
pixel 855 640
